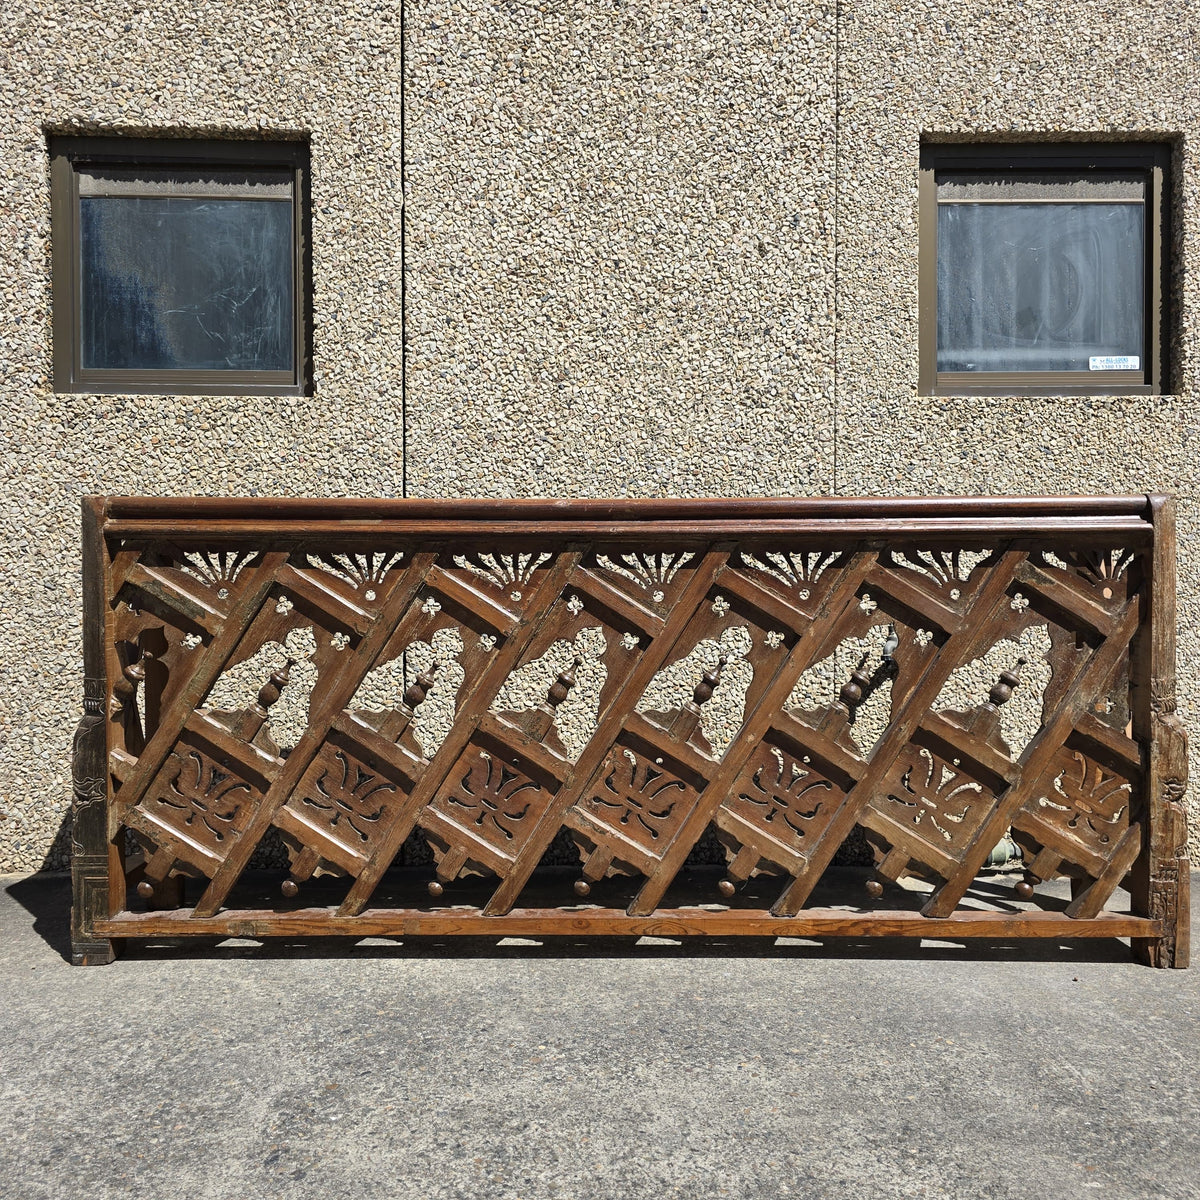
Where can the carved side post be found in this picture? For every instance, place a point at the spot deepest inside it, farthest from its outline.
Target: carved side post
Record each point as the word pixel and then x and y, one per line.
pixel 1160 884
pixel 90 850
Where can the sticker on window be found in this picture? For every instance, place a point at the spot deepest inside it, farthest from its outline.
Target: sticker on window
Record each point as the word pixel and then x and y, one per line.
pixel 1114 362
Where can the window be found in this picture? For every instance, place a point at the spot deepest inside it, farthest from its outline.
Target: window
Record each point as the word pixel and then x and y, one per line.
pixel 1043 268
pixel 179 265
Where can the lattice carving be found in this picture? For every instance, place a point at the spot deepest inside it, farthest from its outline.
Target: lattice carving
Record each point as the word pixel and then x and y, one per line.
pixel 645 789
pixel 791 788
pixel 480 820
pixel 840 670
pixel 934 801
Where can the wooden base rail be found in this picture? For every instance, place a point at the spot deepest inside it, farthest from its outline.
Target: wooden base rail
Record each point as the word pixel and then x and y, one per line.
pixel 611 922
pixel 483 686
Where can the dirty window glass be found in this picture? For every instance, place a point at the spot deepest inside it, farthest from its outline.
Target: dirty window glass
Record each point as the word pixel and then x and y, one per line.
pixel 1040 274
pixel 201 280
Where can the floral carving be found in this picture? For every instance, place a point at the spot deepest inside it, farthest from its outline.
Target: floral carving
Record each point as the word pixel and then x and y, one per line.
pixel 931 791
pixel 346 793
pixel 364 572
pixel 642 795
pixel 1086 800
pixel 502 570
pixel 1097 566
pixel 648 571
pixel 494 795
pixel 216 568
pixel 794 568
pixel 207 796
pixel 784 791
pixel 943 568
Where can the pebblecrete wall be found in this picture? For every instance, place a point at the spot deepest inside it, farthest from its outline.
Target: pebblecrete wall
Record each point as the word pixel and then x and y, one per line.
pixel 645 248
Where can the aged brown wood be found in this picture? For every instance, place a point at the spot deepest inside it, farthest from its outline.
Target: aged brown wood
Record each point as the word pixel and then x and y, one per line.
pixel 1160 880
pixel 94 861
pixel 723 601
pixel 610 922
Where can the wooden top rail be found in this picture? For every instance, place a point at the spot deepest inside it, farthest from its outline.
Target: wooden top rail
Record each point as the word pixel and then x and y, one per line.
pixel 827 520
pixel 756 508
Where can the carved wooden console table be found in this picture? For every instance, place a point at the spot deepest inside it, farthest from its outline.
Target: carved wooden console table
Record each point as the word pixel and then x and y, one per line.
pixel 624 681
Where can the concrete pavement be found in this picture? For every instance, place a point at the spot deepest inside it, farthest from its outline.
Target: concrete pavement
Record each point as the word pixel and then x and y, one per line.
pixel 539 1072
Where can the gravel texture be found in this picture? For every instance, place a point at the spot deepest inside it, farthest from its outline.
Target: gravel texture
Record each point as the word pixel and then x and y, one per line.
pixel 624 223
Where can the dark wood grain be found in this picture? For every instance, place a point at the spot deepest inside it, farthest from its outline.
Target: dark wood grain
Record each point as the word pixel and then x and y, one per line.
pixel 94 861
pixel 600 922
pixel 182 594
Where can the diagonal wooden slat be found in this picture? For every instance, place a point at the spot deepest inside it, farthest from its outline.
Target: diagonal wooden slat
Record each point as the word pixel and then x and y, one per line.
pixel 179 845
pixel 815 643
pixel 915 598
pixel 1096 738
pixel 621 609
pixel 1092 899
pixel 535 754
pixel 179 592
pixel 804 739
pixel 980 620
pixel 191 695
pixel 245 757
pixel 336 693
pixel 309 584
pixel 393 757
pixel 608 725
pixel 953 741
pixel 471 710
pixel 1089 682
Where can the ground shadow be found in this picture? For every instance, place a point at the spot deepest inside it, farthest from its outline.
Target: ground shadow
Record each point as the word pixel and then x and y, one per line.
pixel 47 898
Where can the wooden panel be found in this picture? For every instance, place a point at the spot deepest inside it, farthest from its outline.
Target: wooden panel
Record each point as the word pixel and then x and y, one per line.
pixel 668 644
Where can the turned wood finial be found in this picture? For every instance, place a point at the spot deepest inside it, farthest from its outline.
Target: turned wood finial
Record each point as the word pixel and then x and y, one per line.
pixel 708 682
pixel 126 685
pixel 539 721
pixel 1002 689
pixel 435 888
pixel 273 688
pixel 1024 888
pixel 564 683
pixel 855 688
pixel 727 888
pixel 396 720
pixel 582 887
pixel 145 889
pixel 290 888
pixel 686 719
pixel 136 671
pixel 419 688
pixel 874 888
pixel 254 718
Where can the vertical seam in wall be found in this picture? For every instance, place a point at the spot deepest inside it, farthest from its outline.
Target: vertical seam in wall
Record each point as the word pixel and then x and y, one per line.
pixel 837 122
pixel 403 272
pixel 400 855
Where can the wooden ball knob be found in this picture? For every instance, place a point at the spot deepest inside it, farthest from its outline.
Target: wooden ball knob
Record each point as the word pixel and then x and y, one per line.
pixel 726 887
pixel 435 888
pixel 145 889
pixel 290 888
pixel 582 887
pixel 1024 889
pixel 874 888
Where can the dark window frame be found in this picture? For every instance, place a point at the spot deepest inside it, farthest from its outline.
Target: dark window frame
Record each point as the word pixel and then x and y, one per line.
pixel 70 153
pixel 1153 158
